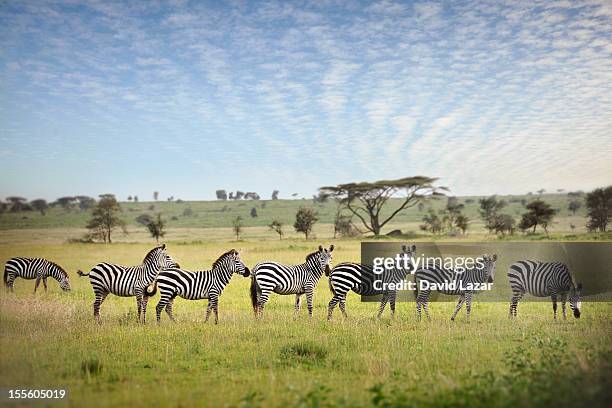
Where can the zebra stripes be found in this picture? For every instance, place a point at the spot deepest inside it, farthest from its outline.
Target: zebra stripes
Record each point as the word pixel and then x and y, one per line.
pixel 360 279
pixel 127 281
pixel 34 268
pixel 268 277
pixel 199 285
pixel 458 283
pixel 544 279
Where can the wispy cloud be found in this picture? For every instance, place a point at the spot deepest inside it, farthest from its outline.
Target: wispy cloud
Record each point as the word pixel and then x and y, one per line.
pixel 490 96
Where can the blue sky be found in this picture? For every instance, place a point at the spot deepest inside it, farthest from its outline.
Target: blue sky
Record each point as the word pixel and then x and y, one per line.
pixel 188 97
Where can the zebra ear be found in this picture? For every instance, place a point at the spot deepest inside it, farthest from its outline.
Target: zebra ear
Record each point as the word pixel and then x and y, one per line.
pixel 163 246
pixel 331 248
pixel 404 248
pixel 413 248
pixel 494 257
pixel 320 248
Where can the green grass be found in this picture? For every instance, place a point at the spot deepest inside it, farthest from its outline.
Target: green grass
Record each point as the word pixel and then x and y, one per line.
pixel 50 340
pixel 219 214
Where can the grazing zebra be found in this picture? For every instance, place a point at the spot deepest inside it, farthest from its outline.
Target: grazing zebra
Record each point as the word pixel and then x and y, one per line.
pixel 34 268
pixel 274 277
pixel 359 278
pixel 199 285
pixel 126 281
pixel 451 282
pixel 543 279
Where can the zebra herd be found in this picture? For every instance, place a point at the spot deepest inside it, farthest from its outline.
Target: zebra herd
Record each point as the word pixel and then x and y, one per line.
pixel 159 271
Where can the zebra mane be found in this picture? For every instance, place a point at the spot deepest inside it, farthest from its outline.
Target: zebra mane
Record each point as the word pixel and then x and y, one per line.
pixel 151 252
pixel 218 261
pixel 311 255
pixel 62 270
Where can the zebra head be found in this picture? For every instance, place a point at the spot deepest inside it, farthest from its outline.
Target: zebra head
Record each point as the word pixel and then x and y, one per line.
pixel 159 258
pixel 489 267
pixel 230 261
pixel 410 250
pixel 61 276
pixel 321 259
pixel 574 300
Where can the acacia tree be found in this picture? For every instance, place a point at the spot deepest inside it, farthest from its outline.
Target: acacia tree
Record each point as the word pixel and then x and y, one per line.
pixel 105 218
pixel 539 213
pixel 156 227
pixel 277 227
pixel 39 205
pixel 367 200
pixel 305 218
pixel 599 205
pixel 237 227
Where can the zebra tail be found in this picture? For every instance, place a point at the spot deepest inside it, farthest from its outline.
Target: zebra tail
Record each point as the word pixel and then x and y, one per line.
pixel 331 287
pixel 254 290
pixel 151 290
pixel 5 277
pixel 81 273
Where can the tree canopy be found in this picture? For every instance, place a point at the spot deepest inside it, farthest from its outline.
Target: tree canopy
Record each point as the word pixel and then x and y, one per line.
pixel 366 200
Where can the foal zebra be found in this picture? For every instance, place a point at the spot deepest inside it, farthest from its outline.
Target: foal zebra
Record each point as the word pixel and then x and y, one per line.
pixel 274 277
pixel 34 268
pixel 463 281
pixel 543 279
pixel 360 278
pixel 129 281
pixel 199 285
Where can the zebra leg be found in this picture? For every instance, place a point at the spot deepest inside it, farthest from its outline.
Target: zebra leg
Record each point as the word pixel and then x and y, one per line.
pixel 468 305
pixel 215 307
pixel 392 304
pixel 422 301
pixel 516 297
pixel 298 304
pixel 37 283
pixel 554 304
pixel 208 310
pixel 459 304
pixel 343 307
pixel 563 300
pixel 169 309
pixel 418 310
pixel 330 307
pixel 100 296
pixel 261 302
pixel 383 303
pixel 139 304
pixel 309 302
pixel 145 300
pixel 163 301
pixel 45 283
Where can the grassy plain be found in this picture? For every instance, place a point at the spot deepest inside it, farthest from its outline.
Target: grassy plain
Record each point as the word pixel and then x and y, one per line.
pixel 50 340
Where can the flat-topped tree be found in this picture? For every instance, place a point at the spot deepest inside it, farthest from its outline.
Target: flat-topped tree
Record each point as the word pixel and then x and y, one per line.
pixel 366 200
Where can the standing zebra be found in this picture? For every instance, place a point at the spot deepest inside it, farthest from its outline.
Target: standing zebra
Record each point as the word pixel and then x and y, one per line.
pixel 199 285
pixel 543 279
pixel 451 282
pixel 274 277
pixel 34 268
pixel 360 278
pixel 130 281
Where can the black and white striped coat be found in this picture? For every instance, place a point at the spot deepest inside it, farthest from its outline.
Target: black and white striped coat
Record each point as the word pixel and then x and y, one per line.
pixel 268 277
pixel 129 281
pixel 439 276
pixel 199 285
pixel 543 279
pixel 34 268
pixel 360 279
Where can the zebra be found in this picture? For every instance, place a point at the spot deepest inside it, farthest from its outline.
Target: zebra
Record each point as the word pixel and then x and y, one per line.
pixel 275 277
pixel 34 268
pixel 199 285
pixel 130 281
pixel 543 279
pixel 359 278
pixel 464 281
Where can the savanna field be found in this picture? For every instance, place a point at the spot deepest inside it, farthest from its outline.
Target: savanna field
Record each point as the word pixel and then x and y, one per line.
pixel 49 340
